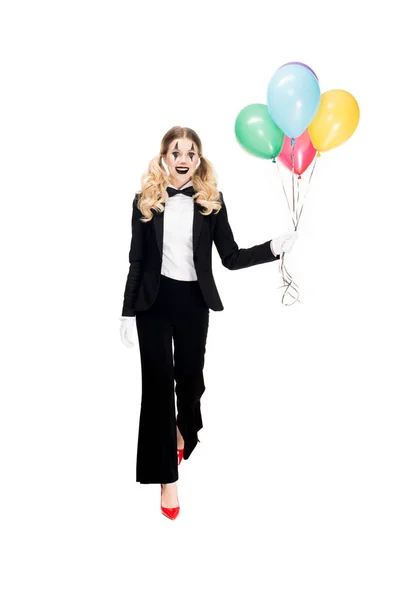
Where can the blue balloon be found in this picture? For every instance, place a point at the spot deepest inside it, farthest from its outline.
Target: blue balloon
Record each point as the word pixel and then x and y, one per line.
pixel 293 99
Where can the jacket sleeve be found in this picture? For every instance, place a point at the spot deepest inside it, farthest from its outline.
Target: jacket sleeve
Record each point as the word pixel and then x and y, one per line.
pixel 136 256
pixel 233 257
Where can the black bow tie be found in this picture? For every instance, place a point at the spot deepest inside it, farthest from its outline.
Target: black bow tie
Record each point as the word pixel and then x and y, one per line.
pixel 189 191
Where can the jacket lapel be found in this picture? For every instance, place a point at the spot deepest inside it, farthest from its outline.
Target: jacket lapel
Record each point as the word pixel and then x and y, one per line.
pixel 158 221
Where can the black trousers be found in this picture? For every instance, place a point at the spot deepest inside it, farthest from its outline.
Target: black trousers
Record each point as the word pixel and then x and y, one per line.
pixel 179 317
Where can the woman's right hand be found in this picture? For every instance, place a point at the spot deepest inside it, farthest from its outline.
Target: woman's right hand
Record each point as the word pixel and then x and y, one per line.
pixel 126 331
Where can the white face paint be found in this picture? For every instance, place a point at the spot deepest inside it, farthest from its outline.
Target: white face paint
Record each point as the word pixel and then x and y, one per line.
pixel 181 160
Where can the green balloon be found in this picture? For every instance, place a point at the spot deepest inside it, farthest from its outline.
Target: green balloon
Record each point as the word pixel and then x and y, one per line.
pixel 257 132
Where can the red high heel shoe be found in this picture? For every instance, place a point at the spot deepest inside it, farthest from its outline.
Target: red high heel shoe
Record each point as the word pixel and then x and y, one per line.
pixel 180 455
pixel 171 513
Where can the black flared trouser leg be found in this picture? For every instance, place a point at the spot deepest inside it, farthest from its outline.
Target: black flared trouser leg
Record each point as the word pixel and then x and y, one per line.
pixel 157 441
pixel 190 335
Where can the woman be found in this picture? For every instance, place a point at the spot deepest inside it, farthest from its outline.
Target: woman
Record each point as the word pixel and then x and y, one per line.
pixel 170 289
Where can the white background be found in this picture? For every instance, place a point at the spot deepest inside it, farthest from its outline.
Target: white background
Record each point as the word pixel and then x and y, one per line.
pixel 293 491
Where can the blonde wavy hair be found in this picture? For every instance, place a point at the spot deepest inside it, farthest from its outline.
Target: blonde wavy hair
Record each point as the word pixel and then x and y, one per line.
pixel 156 179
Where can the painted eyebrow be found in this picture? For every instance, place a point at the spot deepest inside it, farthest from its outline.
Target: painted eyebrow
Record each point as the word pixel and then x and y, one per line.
pixel 177 149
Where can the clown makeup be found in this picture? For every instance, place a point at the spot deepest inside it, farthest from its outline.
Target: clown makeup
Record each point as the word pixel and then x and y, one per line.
pixel 181 159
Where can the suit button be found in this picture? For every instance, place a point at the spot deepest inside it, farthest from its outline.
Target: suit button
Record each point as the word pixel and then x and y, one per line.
pixel 195 258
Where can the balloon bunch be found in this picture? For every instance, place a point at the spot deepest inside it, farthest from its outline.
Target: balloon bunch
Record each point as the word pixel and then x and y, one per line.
pixel 295 125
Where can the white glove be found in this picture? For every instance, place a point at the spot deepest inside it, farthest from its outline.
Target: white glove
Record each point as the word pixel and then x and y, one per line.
pixel 126 331
pixel 284 242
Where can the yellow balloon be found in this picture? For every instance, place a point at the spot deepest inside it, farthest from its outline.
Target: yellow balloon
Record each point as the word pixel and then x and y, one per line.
pixel 336 120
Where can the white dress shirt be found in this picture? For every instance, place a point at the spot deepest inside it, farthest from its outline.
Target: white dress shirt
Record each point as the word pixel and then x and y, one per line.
pixel 177 258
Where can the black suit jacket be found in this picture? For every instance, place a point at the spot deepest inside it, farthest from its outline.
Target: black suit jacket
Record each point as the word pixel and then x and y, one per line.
pixel 145 256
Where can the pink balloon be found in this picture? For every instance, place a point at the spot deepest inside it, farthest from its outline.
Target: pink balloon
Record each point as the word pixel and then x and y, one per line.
pixel 304 153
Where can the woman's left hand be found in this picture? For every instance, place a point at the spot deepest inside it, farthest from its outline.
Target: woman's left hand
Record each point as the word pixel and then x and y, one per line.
pixel 284 242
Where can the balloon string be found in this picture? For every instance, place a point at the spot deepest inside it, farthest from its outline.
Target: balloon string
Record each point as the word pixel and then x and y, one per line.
pixel 286 196
pixel 307 188
pixel 291 288
pixel 288 282
pixel 292 153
